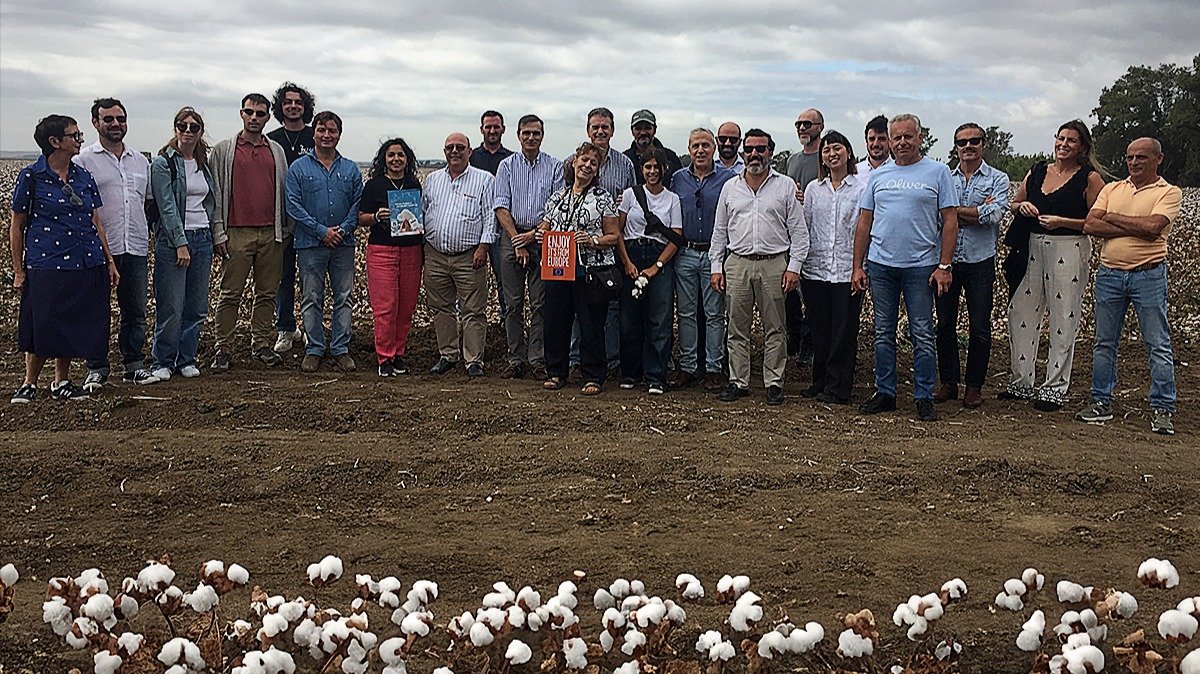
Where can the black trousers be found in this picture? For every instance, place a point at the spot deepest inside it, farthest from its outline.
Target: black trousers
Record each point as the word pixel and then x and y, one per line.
pixel 566 301
pixel 799 334
pixel 976 281
pixel 833 312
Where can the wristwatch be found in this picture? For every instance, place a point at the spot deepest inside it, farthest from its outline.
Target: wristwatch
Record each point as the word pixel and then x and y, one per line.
pixel 944 267
pixel 658 263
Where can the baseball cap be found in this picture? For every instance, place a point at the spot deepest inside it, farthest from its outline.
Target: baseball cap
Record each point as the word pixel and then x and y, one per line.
pixel 643 116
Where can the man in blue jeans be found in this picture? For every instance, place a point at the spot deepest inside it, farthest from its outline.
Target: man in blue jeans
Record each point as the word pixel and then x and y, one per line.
pixel 323 189
pixel 909 221
pixel 1133 217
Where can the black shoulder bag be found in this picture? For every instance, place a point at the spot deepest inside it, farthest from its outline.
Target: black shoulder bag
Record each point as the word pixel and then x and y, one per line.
pixel 653 224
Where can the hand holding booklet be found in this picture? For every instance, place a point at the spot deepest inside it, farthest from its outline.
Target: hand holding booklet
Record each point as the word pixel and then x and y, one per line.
pixel 408 218
pixel 558 256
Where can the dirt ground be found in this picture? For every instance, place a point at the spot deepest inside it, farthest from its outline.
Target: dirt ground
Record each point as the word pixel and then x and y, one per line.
pixel 470 482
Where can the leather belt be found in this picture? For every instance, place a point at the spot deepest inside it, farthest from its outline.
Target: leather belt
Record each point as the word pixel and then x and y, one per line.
pixel 695 245
pixel 759 258
pixel 1147 267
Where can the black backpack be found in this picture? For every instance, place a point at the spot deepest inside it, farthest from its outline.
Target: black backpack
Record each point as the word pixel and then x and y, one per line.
pixel 152 214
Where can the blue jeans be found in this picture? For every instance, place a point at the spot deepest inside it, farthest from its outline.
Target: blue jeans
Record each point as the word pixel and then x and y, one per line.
pixel 1147 291
pixel 887 286
pixel 692 275
pixel 180 299
pixel 131 300
pixel 316 265
pixel 646 321
pixel 285 298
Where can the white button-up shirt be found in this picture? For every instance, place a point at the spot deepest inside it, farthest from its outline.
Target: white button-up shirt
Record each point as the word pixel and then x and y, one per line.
pixel 124 183
pixel 459 212
pixel 831 216
pixel 766 222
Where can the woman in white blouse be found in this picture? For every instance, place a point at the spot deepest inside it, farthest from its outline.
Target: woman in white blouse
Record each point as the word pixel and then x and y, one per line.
pixel 831 210
pixel 645 252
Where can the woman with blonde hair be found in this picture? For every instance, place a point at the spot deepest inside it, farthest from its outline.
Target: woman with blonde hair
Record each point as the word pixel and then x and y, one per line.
pixel 183 250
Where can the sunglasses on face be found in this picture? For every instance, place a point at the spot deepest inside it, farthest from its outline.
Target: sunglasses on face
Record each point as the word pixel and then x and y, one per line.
pixel 455 148
pixel 187 127
pixel 109 119
pixel 70 192
pixel 255 113
pixel 805 124
pixel 963 142
pixel 761 149
pixel 728 140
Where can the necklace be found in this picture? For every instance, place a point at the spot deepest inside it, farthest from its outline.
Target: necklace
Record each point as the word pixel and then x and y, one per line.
pixel 292 142
pixel 393 182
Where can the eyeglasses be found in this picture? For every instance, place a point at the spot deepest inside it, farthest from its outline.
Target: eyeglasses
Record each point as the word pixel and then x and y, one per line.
pixel 451 149
pixel 805 124
pixel 963 142
pixel 109 119
pixel 728 140
pixel 250 112
pixel 70 192
pixel 187 127
pixel 761 149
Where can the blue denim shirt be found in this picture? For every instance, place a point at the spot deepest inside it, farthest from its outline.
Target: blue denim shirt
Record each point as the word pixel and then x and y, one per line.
pixel 698 200
pixel 319 200
pixel 60 235
pixel 170 196
pixel 977 243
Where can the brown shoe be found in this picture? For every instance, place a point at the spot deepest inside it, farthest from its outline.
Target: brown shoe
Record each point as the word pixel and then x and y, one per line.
pixel 311 363
pixel 945 392
pixel 540 373
pixel 713 382
pixel 973 397
pixel 345 363
pixel 575 374
pixel 683 380
pixel 513 371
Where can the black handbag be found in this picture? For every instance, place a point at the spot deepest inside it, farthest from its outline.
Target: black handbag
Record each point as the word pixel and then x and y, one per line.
pixel 602 284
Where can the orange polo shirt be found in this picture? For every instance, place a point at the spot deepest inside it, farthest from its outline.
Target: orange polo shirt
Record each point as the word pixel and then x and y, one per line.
pixel 1160 198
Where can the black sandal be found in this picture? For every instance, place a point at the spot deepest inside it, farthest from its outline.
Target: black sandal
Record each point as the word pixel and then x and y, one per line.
pixel 553 383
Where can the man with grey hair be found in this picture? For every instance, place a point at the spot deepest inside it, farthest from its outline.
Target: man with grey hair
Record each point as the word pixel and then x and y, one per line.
pixel 1133 218
pixel 908 218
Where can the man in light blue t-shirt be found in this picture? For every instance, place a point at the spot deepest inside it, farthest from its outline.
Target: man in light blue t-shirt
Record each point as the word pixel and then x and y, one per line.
pixel 907 230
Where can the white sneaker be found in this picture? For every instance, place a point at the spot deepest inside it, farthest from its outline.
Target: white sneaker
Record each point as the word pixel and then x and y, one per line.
pixel 162 373
pixel 284 342
pixel 189 371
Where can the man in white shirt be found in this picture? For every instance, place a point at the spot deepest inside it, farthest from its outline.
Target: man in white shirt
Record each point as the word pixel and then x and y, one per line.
pixel 879 148
pixel 123 176
pixel 460 226
pixel 762 224
pixel 729 146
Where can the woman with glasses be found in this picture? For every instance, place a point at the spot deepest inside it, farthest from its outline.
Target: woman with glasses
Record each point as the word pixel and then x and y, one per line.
pixel 645 255
pixel 61 262
pixel 587 210
pixel 183 250
pixel 1048 264
pixel 831 211
pixel 394 253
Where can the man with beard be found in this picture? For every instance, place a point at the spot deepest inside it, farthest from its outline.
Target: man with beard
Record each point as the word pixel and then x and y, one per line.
pixel 802 167
pixel 878 148
pixel 487 157
pixel 643 127
pixel 123 176
pixel 293 107
pixel 729 145
pixel 761 223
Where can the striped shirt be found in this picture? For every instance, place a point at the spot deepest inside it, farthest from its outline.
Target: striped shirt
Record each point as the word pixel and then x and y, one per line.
pixel 523 188
pixel 616 173
pixel 459 212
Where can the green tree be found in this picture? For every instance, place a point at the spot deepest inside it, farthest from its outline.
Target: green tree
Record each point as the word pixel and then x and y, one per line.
pixel 997 153
pixel 928 140
pixel 780 160
pixel 1162 103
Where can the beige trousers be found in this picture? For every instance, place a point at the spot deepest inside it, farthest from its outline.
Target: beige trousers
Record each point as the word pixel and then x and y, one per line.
pixel 451 281
pixel 251 249
pixel 749 284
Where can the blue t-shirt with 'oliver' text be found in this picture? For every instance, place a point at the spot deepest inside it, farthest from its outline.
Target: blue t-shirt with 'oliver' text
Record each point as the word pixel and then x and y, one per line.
pixel 906 200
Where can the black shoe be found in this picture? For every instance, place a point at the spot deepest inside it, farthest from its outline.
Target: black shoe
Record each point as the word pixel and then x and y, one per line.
pixel 878 403
pixel 1046 406
pixel 810 392
pixel 830 399
pixel 475 370
pixel 385 369
pixel 399 366
pixel 23 395
pixel 443 366
pixel 221 363
pixel 925 410
pixel 732 392
pixel 267 356
pixel 67 390
pixel 774 395
pixel 805 357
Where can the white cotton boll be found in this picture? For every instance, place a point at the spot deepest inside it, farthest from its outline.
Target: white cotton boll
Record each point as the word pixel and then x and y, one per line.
pixel 575 650
pixel 743 617
pixel 944 650
pixel 804 640
pixel 391 651
pixel 1190 605
pixel 725 584
pixel 851 645
pixel 516 616
pixel 278 662
pixel 99 607
pixel 106 663
pixel 503 588
pixel 443 670
pixel 155 577
pixel 91 582
pixel 390 584
pixel 740 584
pixel 1070 593
pixel 675 612
pixel 77 636
pixel 931 607
pixel 130 642
pixel 613 618
pixel 211 567
pixel 1029 641
pixel 417 623
pixel 492 617
pixel 689 585
pixel 1076 641
pixel 707 640
pixel 1009 601
pixel 632 603
pixel 354 666
pixel 461 625
pixel 481 635
pixel 568 618
pixel 388 600
pixel 748 597
pixel 126 606
pixel 567 599
pixel 1176 626
pixel 495 600
pixel 57 614
pixel 274 624
pixel 1160 573
pixel 177 669
pixel 633 639
pixel 619 588
pixel 631 667
pixel 566 587
pixel 1190 664
pixel 1014 586
pixel 1098 633
pixel 919 627
pixel 637 587
pixel 518 652
pixel 607 640
pixel 771 644
pixel 1032 579
pixel 170 595
pixel 203 599
pixel 291 611
pixel 9 575
pixel 1084 660
pixel 529 598
pixel 1127 605
pixel 903 615
pixel 723 651
pixel 1088 617
pixel 603 599
pixel 307 634
pixel 955 588
pixel 650 614
pixel 236 573
pixel 536 619
pixel 327 570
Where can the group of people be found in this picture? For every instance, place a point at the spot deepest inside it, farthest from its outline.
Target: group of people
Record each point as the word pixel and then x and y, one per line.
pixel 718 242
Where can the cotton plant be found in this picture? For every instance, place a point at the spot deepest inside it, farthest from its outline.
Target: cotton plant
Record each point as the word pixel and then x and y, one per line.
pixel 689 586
pixel 8 582
pixel 639 286
pixel 1158 573
pixel 715 651
pixel 325 572
pixel 919 616
pixel 783 640
pixel 729 588
pixel 1177 627
pixel 1017 590
pixel 858 639
pixel 1078 656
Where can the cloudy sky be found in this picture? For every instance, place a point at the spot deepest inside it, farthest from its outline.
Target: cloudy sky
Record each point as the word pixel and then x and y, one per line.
pixel 424 69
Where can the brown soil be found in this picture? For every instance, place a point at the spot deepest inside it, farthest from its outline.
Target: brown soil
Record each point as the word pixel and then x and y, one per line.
pixel 469 482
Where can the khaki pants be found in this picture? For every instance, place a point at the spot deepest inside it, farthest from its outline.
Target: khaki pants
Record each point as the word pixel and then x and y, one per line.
pixel 251 249
pixel 749 284
pixel 450 280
